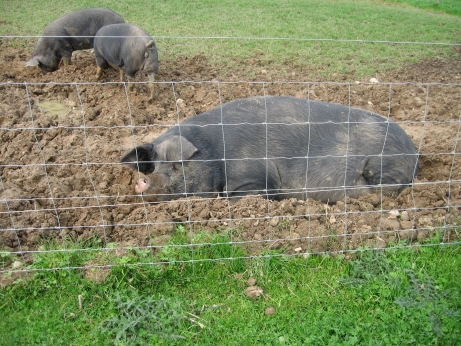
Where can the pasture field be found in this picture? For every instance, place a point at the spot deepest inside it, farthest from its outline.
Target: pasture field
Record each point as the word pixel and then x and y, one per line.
pixel 83 268
pixel 274 35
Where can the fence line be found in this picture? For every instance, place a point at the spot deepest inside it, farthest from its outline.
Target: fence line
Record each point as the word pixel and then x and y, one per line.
pixel 198 261
pixel 15 213
pixel 250 38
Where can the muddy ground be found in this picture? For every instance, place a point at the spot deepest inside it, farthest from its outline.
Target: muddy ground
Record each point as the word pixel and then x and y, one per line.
pixel 62 135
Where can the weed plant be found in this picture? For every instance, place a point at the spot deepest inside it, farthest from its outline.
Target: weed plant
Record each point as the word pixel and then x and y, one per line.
pixel 141 320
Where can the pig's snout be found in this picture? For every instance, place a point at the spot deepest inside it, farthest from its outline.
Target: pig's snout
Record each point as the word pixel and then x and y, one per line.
pixel 141 185
pixel 154 188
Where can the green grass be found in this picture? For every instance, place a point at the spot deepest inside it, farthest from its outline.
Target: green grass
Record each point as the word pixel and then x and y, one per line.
pixel 448 6
pixel 243 23
pixel 398 296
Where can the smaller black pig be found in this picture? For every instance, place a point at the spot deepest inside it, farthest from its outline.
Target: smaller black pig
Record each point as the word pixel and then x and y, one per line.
pixel 73 31
pixel 280 147
pixel 129 48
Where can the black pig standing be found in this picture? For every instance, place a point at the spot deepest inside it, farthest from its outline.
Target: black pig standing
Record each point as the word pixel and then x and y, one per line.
pixel 280 147
pixel 73 31
pixel 129 48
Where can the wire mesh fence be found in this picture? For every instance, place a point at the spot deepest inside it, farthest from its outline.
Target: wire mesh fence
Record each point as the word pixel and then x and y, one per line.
pixel 64 190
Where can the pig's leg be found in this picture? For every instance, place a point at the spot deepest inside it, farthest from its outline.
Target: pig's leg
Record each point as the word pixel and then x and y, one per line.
pixel 252 188
pixel 122 75
pixel 66 55
pixel 98 72
pixel 254 181
pixel 102 64
pixel 130 77
pixel 152 86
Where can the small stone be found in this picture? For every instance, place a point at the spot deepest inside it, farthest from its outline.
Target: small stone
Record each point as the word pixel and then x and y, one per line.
pixel 269 311
pixel 418 102
pixel 387 224
pixel 71 104
pixel 263 71
pixel 365 229
pixel 393 214
pixel 274 221
pixel 332 219
pixel 374 80
pixel 295 235
pixel 404 216
pixel 181 104
pixel 298 249
pixel 17 264
pixel 381 242
pixel 425 221
pixel 406 225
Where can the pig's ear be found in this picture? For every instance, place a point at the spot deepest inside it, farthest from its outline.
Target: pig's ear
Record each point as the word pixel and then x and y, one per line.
pixel 149 45
pixel 33 62
pixel 175 148
pixel 139 158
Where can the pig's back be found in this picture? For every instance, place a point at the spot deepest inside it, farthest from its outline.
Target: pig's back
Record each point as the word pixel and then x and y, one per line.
pixel 278 126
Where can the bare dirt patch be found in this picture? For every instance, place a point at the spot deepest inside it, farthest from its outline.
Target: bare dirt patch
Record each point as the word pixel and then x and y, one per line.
pixel 60 173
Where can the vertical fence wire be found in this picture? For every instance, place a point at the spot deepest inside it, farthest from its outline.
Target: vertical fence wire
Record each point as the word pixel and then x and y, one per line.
pixel 311 214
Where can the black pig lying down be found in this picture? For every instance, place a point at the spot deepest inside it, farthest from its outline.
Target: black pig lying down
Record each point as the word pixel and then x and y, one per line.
pixel 73 31
pixel 278 147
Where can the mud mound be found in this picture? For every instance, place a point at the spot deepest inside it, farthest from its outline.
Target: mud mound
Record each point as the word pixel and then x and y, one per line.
pixel 61 136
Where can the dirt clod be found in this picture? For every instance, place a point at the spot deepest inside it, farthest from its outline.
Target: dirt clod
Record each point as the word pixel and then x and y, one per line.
pixel 251 281
pixel 253 292
pixel 269 311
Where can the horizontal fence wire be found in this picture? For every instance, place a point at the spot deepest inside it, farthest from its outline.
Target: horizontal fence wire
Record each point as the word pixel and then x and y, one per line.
pixel 248 38
pixel 198 261
pixel 67 188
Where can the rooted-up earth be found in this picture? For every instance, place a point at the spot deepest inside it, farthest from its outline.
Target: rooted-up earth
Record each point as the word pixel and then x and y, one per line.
pixel 62 135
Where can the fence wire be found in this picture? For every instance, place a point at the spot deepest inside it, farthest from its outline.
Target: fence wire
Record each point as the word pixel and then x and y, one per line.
pixel 64 191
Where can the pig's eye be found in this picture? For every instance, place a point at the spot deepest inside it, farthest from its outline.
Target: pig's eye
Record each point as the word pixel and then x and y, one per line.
pixel 144 167
pixel 148 167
